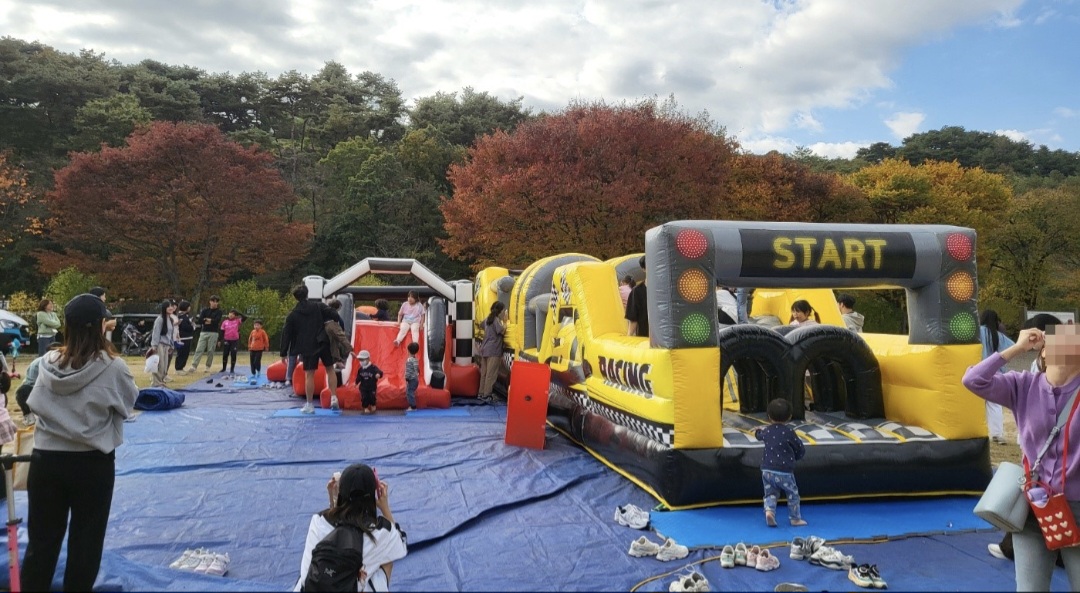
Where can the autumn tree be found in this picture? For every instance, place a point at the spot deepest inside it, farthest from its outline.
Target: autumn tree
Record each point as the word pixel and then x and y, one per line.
pixel 774 187
pixel 20 226
pixel 178 209
pixel 591 179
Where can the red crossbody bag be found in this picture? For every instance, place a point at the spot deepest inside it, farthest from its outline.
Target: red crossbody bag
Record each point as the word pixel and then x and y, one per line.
pixel 1055 517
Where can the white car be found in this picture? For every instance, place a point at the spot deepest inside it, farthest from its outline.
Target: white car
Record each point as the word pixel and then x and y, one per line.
pixel 11 323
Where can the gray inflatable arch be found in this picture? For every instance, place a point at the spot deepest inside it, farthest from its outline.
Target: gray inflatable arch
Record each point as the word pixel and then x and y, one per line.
pixel 934 264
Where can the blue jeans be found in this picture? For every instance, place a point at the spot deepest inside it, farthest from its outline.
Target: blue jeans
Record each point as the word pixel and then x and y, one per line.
pixel 741 300
pixel 43 344
pixel 781 482
pixel 410 391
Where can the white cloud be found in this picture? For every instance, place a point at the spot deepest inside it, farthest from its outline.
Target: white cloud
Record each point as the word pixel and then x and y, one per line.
pixel 1014 135
pixel 837 150
pixel 904 124
pixel 766 144
pixel 1066 112
pixel 760 68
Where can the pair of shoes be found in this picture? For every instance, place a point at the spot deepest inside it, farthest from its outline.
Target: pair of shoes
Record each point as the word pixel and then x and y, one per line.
pixel 867 576
pixel 213 564
pixel 189 559
pixel 793 587
pixel 307 409
pixel 766 561
pixel 770 519
pixel 334 403
pixel 670 550
pixel 740 554
pixel 831 558
pixel 995 551
pixel 643 546
pixel 695 581
pixel 632 516
pixel 803 548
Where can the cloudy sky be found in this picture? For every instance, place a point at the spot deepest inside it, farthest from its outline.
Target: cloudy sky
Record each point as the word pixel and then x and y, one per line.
pixel 831 75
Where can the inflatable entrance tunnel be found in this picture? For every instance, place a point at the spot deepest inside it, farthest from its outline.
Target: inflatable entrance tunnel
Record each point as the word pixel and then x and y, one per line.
pixel 880 415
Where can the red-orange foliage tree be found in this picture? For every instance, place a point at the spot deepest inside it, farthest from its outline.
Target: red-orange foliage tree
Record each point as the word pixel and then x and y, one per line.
pixel 176 211
pixel 592 179
pixel 777 188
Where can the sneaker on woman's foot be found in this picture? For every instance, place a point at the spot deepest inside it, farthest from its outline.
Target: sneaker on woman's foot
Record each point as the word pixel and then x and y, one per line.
pixel 307 409
pixel 334 403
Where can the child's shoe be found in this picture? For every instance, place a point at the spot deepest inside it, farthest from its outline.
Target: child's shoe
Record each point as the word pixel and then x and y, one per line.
pixel 643 546
pixel 672 551
pixel 727 557
pixel 752 556
pixel 879 583
pixel 740 554
pixel 770 519
pixel 860 575
pixel 798 522
pixel 767 562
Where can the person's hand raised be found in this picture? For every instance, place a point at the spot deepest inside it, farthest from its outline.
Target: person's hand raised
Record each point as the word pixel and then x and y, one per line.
pixel 1031 339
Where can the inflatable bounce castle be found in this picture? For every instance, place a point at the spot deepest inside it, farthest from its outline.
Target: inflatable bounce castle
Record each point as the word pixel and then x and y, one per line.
pixel 676 411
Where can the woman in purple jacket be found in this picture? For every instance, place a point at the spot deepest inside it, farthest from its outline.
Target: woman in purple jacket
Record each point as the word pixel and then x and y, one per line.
pixel 1036 399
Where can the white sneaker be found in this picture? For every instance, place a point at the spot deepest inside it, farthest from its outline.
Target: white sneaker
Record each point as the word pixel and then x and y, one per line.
pixel 184 558
pixel 30 419
pixel 333 403
pixel 831 558
pixel 802 549
pixel 695 581
pixel 642 546
pixel 307 409
pixel 632 517
pixel 672 551
pixel 995 551
pixel 219 566
pixel 766 561
pixel 205 562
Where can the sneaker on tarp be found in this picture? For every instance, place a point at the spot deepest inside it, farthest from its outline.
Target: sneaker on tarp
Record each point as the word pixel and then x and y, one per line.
pixel 219 566
pixel 860 575
pixel 727 557
pixel 643 546
pixel 752 556
pixel 879 583
pixel 185 559
pixel 694 581
pixel 766 561
pixel 632 516
pixel 205 562
pixel 803 548
pixel 831 558
pixel 672 551
pixel 740 554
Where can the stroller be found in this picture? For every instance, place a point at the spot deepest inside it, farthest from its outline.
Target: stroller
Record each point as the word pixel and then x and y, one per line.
pixel 134 342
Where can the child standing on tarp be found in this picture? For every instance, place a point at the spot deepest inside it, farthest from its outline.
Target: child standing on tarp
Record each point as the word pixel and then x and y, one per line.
pixel 782 449
pixel 412 375
pixel 230 331
pixel 258 342
pixel 367 379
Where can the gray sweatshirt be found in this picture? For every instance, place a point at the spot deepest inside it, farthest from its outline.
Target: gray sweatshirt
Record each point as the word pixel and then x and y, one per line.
pixel 84 409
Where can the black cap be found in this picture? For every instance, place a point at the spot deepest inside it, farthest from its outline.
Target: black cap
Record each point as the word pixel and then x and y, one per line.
pixel 356 482
pixel 97 291
pixel 85 309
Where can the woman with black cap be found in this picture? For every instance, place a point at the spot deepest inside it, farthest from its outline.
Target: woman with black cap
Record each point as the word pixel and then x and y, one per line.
pixel 83 393
pixel 355 496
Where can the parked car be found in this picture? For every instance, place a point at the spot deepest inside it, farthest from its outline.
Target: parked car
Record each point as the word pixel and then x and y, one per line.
pixel 11 323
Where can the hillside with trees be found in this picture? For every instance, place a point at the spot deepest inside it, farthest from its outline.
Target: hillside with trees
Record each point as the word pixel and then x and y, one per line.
pixel 200 179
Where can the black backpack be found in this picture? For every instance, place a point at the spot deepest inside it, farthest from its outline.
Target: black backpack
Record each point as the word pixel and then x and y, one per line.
pixel 336 561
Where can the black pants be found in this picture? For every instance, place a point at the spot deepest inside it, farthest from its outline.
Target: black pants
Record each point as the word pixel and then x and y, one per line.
pixel 21 394
pixel 256 361
pixel 229 349
pixel 59 483
pixel 182 354
pixel 367 398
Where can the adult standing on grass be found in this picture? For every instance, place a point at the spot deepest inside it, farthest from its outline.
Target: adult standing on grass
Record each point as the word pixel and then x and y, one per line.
pixel 209 322
pixel 161 340
pixel 186 332
pixel 305 335
pixel 83 394
pixel 1037 399
pixel 48 323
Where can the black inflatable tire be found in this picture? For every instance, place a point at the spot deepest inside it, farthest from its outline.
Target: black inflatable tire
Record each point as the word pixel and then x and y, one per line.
pixel 435 333
pixel 813 346
pixel 759 356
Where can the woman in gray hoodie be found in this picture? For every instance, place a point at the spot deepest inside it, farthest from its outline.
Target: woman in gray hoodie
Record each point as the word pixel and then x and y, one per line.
pixel 83 394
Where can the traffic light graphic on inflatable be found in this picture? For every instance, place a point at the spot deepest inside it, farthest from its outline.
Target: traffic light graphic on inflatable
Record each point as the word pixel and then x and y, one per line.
pixel 958 288
pixel 684 282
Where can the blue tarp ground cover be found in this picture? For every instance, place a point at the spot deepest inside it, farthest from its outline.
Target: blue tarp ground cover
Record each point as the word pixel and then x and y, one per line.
pixel 861 519
pixel 222 473
pixel 158 399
